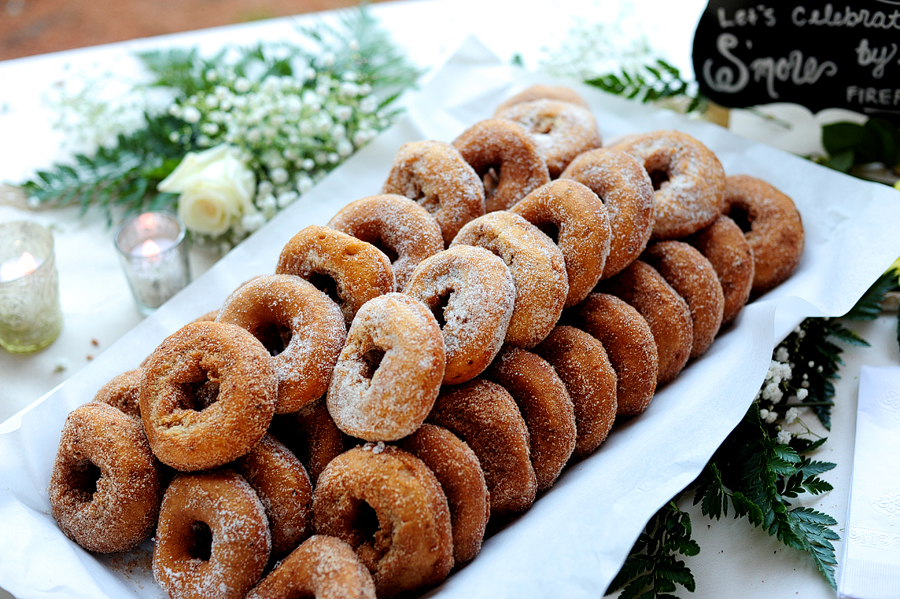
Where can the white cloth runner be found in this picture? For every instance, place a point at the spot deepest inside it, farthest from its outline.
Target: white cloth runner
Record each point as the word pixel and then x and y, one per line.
pixel 870 568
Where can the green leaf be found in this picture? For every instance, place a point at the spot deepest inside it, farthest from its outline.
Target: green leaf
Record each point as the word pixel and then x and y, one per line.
pixel 868 307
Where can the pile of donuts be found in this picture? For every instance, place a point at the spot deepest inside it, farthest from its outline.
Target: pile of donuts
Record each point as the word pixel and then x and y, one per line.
pixel 415 373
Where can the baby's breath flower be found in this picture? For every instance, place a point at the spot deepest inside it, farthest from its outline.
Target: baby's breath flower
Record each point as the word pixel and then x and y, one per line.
pixel 791 416
pixel 784 437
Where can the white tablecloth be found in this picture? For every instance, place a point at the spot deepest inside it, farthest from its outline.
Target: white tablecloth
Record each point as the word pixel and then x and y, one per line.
pixel 735 559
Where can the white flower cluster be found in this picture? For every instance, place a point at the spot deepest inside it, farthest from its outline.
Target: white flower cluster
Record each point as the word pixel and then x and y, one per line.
pixel 777 389
pixel 289 130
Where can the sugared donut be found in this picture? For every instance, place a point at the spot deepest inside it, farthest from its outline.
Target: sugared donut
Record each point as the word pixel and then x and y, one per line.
pixel 561 130
pixel 724 245
pixel 389 372
pixel 299 325
pixel 625 188
pixel 506 158
pixel 213 538
pixel 105 486
pixel 283 487
pixel 537 266
pixel 666 312
pixel 472 294
pixel 545 405
pixel 576 219
pixel 693 277
pixel 322 567
pixel 581 362
pixel 435 175
pixel 188 436
pixel 772 226
pixel 687 176
pixel 312 436
pixel 541 92
pixel 388 506
pixel 485 416
pixel 396 225
pixel 123 391
pixel 629 344
pixel 348 270
pixel 457 468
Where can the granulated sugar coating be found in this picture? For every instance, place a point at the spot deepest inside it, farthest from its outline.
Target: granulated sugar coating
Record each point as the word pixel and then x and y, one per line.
pixel 396 225
pixel 537 266
pixel 472 293
pixel 434 174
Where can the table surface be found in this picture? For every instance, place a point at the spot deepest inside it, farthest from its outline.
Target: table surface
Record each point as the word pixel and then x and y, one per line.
pixel 736 559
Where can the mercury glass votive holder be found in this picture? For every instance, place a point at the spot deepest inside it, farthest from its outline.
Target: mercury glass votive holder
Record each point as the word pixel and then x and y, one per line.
pixel 154 250
pixel 30 311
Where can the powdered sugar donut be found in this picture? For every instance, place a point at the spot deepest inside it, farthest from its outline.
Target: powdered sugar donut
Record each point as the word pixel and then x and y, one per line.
pixel 389 372
pixel 687 176
pixel 398 226
pixel 434 174
pixel 540 92
pixel 472 294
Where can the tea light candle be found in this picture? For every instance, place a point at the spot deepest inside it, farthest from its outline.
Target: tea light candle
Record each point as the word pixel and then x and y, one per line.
pixel 30 312
pixel 153 249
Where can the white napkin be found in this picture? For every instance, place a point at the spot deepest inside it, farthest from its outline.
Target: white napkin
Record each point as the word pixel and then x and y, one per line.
pixel 870 568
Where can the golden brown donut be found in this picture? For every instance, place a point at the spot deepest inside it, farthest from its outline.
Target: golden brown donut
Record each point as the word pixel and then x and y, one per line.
pixel 322 567
pixel 396 225
pixel 434 174
pixel 629 344
pixel 299 325
pixel 485 416
pixel 545 405
pixel 312 436
pixel 123 391
pixel 505 158
pixel 625 188
pixel 389 372
pixel 576 219
pixel 540 92
pixel 666 312
pixel 581 362
pixel 457 468
pixel 772 226
pixel 388 506
pixel 724 245
pixel 348 270
pixel 188 436
pixel 105 486
pixel 283 487
pixel 537 266
pixel 472 294
pixel 213 538
pixel 687 176
pixel 561 130
pixel 693 277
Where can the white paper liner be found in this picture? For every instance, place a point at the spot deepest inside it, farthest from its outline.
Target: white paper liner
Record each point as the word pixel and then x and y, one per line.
pixel 574 539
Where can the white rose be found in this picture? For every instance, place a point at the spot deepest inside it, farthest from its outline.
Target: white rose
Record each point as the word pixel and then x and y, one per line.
pixel 216 189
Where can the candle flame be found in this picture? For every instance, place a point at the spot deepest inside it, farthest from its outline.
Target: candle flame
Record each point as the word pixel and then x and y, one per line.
pixel 147 220
pixel 149 248
pixel 15 269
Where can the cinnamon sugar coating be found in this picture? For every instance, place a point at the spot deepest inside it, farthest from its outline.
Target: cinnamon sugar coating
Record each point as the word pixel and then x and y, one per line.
pixel 123 391
pixel 105 487
pixel 506 158
pixel 539 91
pixel 396 225
pixel 434 174
pixel 299 325
pixel 389 507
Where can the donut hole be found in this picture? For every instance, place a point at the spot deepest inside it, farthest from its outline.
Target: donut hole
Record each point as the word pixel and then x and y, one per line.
pixel 542 124
pixel 741 217
pixel 373 541
pixel 274 336
pixel 658 169
pixel 491 180
pixel 197 395
pixel 85 475
pixel 438 306
pixel 326 284
pixel 199 541
pixel 551 230
pixel 371 360
pixel 384 248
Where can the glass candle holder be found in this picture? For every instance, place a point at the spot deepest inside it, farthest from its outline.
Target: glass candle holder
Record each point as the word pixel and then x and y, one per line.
pixel 153 248
pixel 30 312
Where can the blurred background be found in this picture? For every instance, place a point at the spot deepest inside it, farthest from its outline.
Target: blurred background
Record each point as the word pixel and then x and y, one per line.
pixel 29 27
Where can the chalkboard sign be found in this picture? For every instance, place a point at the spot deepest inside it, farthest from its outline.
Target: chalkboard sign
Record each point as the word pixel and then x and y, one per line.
pixel 817 54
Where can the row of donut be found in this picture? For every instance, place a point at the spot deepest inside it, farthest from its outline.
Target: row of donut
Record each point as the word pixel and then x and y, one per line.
pixel 631 335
